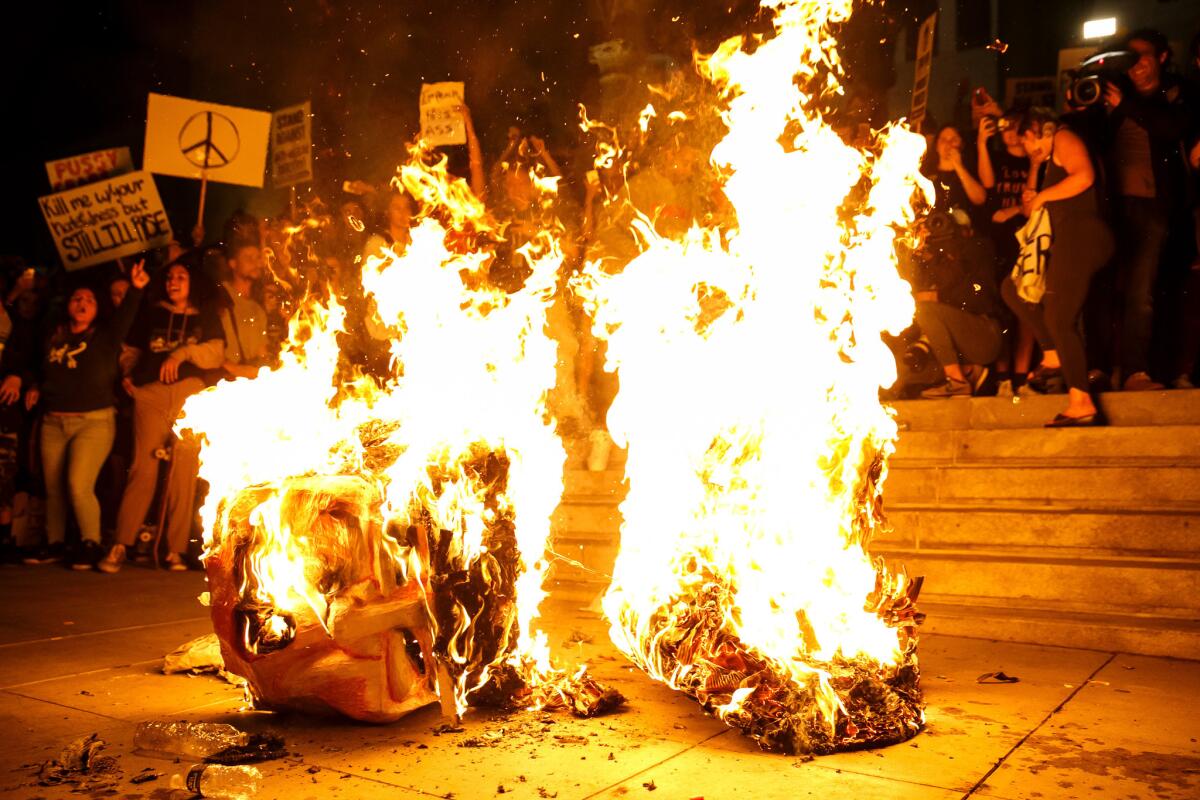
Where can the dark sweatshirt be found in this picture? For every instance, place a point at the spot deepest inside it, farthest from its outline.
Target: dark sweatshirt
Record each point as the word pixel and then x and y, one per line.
pixel 80 370
pixel 196 337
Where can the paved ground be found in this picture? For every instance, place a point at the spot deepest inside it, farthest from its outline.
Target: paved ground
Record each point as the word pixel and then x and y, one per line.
pixel 80 653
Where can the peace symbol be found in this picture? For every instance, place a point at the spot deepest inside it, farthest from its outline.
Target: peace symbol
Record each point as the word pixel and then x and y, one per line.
pixel 209 139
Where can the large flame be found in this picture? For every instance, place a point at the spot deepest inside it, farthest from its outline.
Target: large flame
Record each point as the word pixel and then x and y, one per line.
pixel 750 364
pixel 472 369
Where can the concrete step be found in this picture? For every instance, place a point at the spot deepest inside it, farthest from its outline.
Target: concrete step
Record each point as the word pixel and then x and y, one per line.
pixel 1126 633
pixel 1057 529
pixel 992 413
pixel 1147 585
pixel 1169 443
pixel 1130 483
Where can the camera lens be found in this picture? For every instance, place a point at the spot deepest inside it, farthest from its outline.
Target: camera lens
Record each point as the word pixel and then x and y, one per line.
pixel 1087 90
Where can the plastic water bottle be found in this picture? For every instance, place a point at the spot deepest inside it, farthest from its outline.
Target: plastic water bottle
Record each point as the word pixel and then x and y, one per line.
pixel 219 782
pixel 191 739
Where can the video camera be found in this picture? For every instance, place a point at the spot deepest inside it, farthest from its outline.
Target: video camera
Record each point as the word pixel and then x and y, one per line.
pixel 1086 82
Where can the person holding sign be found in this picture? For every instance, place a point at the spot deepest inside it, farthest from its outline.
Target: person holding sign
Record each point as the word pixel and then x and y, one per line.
pixel 78 373
pixel 176 342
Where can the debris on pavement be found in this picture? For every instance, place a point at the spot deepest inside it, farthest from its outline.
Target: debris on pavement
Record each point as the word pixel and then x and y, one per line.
pixel 997 677
pixel 80 764
pixel 200 656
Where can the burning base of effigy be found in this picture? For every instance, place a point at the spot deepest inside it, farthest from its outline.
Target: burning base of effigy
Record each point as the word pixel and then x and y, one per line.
pixel 395 619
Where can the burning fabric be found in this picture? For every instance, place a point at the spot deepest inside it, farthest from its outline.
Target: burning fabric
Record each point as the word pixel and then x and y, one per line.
pixel 755 481
pixel 376 548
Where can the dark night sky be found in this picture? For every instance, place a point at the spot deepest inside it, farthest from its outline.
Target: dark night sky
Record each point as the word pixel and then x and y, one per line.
pixel 78 82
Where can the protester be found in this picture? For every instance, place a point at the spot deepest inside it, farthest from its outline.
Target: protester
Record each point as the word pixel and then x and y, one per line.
pixel 953 183
pixel 1004 172
pixel 175 341
pixel 78 375
pixel 243 319
pixel 1147 127
pixel 958 309
pixel 1081 244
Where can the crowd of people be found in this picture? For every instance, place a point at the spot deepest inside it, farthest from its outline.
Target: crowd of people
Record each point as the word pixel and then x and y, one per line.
pixel 1049 236
pixel 1071 237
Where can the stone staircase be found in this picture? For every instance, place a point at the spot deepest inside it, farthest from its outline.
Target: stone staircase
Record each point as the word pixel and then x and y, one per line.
pixel 1083 538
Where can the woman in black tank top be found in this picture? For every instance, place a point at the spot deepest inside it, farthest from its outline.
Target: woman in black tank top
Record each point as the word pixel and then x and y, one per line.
pixel 1081 245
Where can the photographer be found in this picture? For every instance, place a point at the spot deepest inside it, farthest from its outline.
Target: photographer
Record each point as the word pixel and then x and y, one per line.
pixel 1148 118
pixel 957 307
pixel 1081 244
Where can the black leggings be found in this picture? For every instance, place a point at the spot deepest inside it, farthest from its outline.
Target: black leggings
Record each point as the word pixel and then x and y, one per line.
pixel 1055 320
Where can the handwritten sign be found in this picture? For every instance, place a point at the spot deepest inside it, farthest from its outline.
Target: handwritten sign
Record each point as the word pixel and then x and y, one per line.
pixel 194 139
pixel 103 221
pixel 441 121
pixel 77 170
pixel 920 93
pixel 291 145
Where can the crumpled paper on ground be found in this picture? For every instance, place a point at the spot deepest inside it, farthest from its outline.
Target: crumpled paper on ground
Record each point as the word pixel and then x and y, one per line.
pixel 201 656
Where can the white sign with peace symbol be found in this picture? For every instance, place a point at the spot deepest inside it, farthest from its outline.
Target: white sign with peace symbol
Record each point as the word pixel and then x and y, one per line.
pixel 209 139
pixel 194 139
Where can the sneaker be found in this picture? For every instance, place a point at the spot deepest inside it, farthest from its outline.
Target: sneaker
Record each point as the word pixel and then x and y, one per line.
pixel 46 554
pixel 175 563
pixel 86 555
pixel 1183 382
pixel 951 388
pixel 1004 388
pixel 1141 382
pixel 975 375
pixel 1047 380
pixel 111 563
pixel 1098 381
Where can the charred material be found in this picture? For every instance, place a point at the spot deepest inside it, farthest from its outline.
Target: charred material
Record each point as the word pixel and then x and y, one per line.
pixel 692 644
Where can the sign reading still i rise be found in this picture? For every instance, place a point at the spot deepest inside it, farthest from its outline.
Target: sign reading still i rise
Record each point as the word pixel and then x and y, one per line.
pixel 103 221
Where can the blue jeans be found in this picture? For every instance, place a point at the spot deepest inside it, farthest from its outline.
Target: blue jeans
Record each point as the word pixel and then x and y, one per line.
pixel 77 444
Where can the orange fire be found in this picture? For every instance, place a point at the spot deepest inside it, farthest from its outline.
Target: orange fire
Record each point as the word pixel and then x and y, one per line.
pixel 750 364
pixel 458 442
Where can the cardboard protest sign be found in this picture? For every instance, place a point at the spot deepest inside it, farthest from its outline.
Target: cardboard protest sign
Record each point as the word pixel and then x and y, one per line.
pixel 291 145
pixel 77 170
pixel 924 65
pixel 193 139
pixel 441 121
pixel 102 221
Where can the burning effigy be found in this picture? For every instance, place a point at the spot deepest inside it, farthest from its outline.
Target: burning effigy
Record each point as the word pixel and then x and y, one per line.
pixel 374 547
pixel 750 365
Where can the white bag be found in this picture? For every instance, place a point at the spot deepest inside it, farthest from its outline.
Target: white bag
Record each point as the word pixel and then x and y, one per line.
pixel 1029 273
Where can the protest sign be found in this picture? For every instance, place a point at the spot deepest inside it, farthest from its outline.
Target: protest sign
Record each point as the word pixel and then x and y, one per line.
pixel 103 221
pixel 924 65
pixel 291 145
pixel 441 121
pixel 209 141
pixel 77 170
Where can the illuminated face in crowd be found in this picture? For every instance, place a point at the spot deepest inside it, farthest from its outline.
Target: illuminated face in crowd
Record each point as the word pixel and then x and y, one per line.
pixel 1039 140
pixel 246 262
pixel 117 291
pixel 1008 133
pixel 179 284
pixel 1147 72
pixel 81 308
pixel 399 212
pixel 948 141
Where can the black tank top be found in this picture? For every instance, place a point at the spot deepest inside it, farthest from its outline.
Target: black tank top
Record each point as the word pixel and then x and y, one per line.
pixel 1073 211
